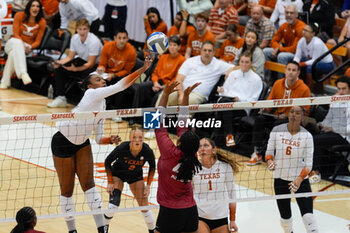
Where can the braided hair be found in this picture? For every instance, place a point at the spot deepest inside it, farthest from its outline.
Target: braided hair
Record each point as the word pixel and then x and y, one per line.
pixel 189 144
pixel 26 220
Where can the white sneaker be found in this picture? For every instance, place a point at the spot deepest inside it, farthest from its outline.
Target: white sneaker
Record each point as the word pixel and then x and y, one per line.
pixel 58 102
pixel 150 134
pixel 117 119
pixel 26 79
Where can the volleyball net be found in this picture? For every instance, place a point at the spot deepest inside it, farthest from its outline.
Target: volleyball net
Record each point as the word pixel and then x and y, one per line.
pixel 28 176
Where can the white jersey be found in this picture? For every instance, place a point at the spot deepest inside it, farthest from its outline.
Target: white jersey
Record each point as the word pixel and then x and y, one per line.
pixel 292 152
pixel 78 131
pixel 212 184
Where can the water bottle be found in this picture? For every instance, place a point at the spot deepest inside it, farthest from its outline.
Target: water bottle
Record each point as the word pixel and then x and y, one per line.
pixel 50 92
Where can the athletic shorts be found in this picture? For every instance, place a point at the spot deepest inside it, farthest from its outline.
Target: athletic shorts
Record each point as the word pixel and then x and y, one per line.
pixel 213 224
pixel 129 177
pixel 63 148
pixel 177 220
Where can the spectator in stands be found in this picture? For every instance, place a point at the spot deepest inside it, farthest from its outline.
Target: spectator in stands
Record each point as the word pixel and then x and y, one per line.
pixel 114 17
pixel 195 7
pixel 309 48
pixel 267 5
pixel 18 5
pixel 345 11
pixel 251 45
pixel 229 49
pixel 84 45
pixel 242 85
pixel 289 87
pixel 79 9
pixel 278 14
pixel 28 30
pixel 242 9
pixel 220 17
pixel 153 22
pixel 51 13
pixel 345 32
pixel 321 12
pixel 334 130
pixel 195 39
pixel 284 43
pixel 26 221
pixel 118 58
pixel 182 28
pixel 263 27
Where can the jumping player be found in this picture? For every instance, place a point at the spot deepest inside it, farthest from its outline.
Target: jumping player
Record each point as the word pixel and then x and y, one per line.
pixel 290 153
pixel 71 146
pixel 128 159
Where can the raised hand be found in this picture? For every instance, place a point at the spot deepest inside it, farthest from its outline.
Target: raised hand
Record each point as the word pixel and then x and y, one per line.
pixel 171 87
pixel 189 89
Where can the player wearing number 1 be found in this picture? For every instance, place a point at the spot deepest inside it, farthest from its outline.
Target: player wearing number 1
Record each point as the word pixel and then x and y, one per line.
pixel 290 153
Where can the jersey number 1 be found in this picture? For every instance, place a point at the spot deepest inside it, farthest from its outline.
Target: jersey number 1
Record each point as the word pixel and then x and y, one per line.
pixel 210 187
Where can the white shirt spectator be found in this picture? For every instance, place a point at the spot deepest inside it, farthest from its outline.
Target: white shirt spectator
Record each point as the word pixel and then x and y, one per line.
pixel 91 47
pixel 75 10
pixel 311 51
pixel 279 11
pixel 116 2
pixel 195 71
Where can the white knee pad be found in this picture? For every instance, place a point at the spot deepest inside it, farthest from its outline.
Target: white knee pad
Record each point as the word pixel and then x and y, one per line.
pixel 67 206
pixel 149 219
pixel 287 225
pixel 310 223
pixel 93 198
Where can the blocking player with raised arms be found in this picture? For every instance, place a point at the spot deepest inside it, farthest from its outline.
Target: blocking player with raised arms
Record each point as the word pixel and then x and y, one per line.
pixel 215 182
pixel 128 159
pixel 71 147
pixel 290 154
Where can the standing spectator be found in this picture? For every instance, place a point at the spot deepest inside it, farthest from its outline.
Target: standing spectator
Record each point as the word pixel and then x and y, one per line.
pixel 284 43
pixel 154 23
pixel 263 27
pixel 51 13
pixel 18 5
pixel 79 9
pixel 287 88
pixel 84 45
pixel 267 5
pixel 28 30
pixel 220 17
pixel 115 16
pixel 196 39
pixel 278 13
pixel 206 187
pixel 289 154
pixel 26 221
pixel 251 45
pixel 229 49
pixel 195 7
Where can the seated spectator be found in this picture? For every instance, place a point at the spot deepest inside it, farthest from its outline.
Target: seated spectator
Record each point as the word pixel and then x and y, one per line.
pixel 334 131
pixel 309 48
pixel 26 221
pixel 51 14
pixel 220 17
pixel 18 6
pixel 267 5
pixel 114 17
pixel 195 7
pixel 242 85
pixel 154 23
pixel 321 12
pixel 181 28
pixel 251 45
pixel 195 39
pixel 229 49
pixel 263 27
pixel 287 88
pixel 84 45
pixel 242 9
pixel 345 11
pixel 284 43
pixel 345 32
pixel 79 9
pixel 278 14
pixel 28 30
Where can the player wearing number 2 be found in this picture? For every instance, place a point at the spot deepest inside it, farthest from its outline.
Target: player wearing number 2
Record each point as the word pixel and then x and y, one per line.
pixel 128 159
pixel 290 153
pixel 215 182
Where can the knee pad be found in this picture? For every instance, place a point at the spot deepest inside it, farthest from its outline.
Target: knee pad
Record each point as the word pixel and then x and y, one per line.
pixel 310 223
pixel 93 198
pixel 287 225
pixel 115 197
pixel 67 206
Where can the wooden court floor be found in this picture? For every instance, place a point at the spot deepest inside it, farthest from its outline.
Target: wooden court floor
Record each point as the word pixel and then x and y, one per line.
pixel 19 102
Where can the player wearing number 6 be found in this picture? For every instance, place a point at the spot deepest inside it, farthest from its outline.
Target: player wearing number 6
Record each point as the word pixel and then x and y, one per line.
pixel 215 182
pixel 128 159
pixel 290 154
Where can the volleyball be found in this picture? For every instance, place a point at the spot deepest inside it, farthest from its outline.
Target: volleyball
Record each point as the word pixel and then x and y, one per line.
pixel 157 42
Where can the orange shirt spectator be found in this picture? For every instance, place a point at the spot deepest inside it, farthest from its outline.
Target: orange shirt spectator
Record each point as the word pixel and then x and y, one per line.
pixel 50 6
pixel 154 23
pixel 167 67
pixel 229 50
pixel 174 31
pixel 220 17
pixel 195 41
pixel 268 6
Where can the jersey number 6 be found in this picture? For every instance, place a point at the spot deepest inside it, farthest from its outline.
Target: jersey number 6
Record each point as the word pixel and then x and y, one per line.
pixel 288 150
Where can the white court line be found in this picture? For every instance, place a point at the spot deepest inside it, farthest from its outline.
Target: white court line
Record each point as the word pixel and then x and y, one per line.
pixel 18 99
pixel 333 199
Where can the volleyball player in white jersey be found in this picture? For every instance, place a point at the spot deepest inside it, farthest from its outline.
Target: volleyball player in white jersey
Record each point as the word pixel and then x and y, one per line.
pixel 290 154
pixel 215 182
pixel 71 146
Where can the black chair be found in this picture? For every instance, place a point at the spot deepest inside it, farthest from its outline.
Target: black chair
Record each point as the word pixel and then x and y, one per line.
pixel 343 152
